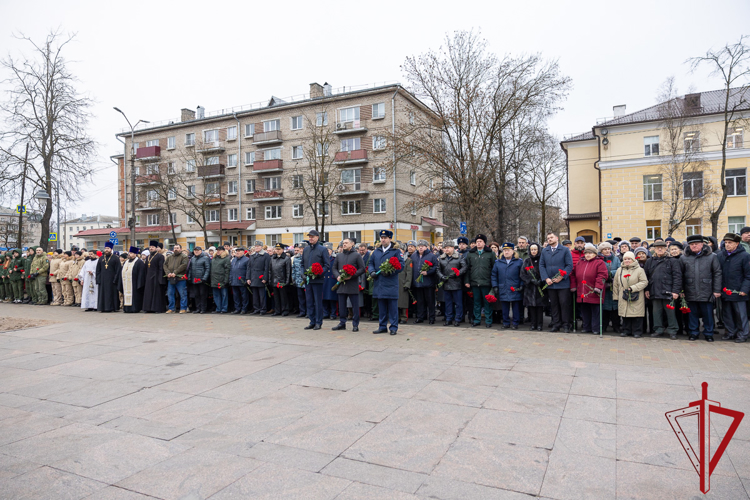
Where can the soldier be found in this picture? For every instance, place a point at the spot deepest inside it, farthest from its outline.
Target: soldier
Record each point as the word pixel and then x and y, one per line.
pixel 386 285
pixel 315 253
pixel 5 291
pixel 30 295
pixel 16 275
pixel 54 266
pixel 38 275
pixel 63 277
pixel 478 278
pixel 78 261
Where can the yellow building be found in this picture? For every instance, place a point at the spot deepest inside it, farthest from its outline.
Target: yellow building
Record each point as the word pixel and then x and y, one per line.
pixel 656 172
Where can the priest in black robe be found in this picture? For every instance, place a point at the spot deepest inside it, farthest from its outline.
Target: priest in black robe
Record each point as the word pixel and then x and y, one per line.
pixel 133 282
pixel 108 276
pixel 154 298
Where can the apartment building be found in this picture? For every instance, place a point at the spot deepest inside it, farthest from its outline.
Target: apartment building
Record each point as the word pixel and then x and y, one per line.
pixel 74 229
pixel 657 171
pixel 32 229
pixel 246 173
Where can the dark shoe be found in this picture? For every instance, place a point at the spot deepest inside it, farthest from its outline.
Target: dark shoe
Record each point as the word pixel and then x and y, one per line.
pixel 693 337
pixel 196 312
pixel 276 314
pixel 565 330
pixel 339 327
pixel 235 311
pixel 623 334
pixel 673 337
pixel 334 318
pixel 432 321
pixel 380 330
pixel 393 332
pixel 514 327
pixel 654 335
pixel 201 312
pixel 355 329
pixel 615 330
pixel 474 325
pixel 309 327
pixel 586 331
pixel 446 323
pixel 374 319
pixel 740 340
pixel 504 326
pixel 262 313
pixel 532 328
pixel 402 321
pixel 301 315
pixel 418 321
pixel 285 314
pixel 456 323
pixel 710 339
pixel 488 325
pixel 728 337
pixel 216 312
pixel 316 327
pixel 636 336
pixel 554 330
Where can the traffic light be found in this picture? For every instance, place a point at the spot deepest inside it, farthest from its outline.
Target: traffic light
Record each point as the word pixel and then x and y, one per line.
pixel 130 223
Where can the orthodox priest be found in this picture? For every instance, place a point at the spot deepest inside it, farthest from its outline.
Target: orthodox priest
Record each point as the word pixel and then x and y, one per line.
pixel 87 276
pixel 108 275
pixel 133 281
pixel 154 298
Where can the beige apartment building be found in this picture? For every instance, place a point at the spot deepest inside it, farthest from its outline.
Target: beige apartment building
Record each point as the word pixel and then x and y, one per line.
pixel 243 174
pixel 657 171
pixel 32 229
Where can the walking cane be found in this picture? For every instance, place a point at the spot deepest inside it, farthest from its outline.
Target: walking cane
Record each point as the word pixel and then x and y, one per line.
pixel 601 305
pixel 575 320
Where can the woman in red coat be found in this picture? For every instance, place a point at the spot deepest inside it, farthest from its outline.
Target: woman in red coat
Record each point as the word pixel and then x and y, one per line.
pixel 588 281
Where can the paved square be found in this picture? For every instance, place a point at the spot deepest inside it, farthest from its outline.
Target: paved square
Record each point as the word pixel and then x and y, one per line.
pixel 115 406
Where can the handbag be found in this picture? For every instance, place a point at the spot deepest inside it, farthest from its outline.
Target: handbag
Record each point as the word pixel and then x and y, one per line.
pixel 630 296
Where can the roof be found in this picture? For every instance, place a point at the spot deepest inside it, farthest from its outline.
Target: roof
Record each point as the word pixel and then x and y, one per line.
pixel 93 218
pixel 433 222
pixel 586 136
pixel 590 215
pixel 104 231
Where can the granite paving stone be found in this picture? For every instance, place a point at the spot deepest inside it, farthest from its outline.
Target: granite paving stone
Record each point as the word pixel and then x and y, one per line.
pixel 587 437
pixel 291 457
pixel 526 401
pixel 362 491
pixel 591 408
pixel 376 475
pixel 576 476
pixel 525 429
pixel 46 483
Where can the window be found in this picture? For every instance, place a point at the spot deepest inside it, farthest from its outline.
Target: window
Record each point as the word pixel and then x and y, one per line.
pixel 651 145
pixel 250 213
pixel 692 184
pixel 232 187
pixel 189 139
pixel 378 110
pixel 152 195
pixel 232 214
pixel 271 125
pixel 273 212
pixel 653 229
pixel 323 210
pixel 249 129
pixel 152 142
pixel 349 114
pixel 321 119
pixel 211 135
pixel 736 223
pixel 323 179
pixel 734 138
pixel 212 188
pixel 272 154
pixel 296 152
pixel 137 220
pixel 273 239
pixel 232 160
pixel 736 182
pixel 152 220
pixel 411 118
pixel 190 166
pixel 152 169
pixel 414 210
pixel 212 216
pixel 190 191
pixel 297 181
pixel 137 197
pixel 413 178
pixel 652 187
pixel 322 149
pixel 352 178
pixel 350 144
pixel 350 207
pixel 378 174
pixel 297 211
pixel 232 133
pixel 352 235
pixel 171 142
pixel 272 183
pixel 296 122
pixel 692 142
pixel 298 237
pixel 212 160
pixel 250 186
pixel 190 217
pixel 172 194
pixel 430 211
pixel 249 157
pixel 171 169
pixel 173 218
pixel 378 142
pixel 378 206
pixel 693 226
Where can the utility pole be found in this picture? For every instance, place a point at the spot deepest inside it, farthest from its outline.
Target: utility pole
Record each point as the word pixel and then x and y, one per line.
pixel 19 243
pixel 131 221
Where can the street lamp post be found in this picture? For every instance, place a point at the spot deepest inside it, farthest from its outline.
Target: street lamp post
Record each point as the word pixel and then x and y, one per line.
pixel 43 195
pixel 132 174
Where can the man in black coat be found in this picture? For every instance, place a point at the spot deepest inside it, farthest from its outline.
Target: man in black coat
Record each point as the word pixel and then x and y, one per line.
pixel 315 253
pixel 664 285
pixel 108 277
pixel 154 298
pixel 348 288
pixel 735 273
pixel 468 302
pixel 280 279
pixel 259 272
pixel 702 278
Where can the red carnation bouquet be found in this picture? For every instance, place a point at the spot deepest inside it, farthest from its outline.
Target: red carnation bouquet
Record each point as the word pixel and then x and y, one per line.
pixel 388 267
pixel 684 309
pixel 426 266
pixel 730 292
pixel 315 271
pixel 446 278
pixel 490 298
pixel 560 274
pixel 344 274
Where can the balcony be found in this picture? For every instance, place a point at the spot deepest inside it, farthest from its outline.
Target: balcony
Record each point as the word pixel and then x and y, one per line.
pixel 149 205
pixel 351 157
pixel 146 179
pixel 211 147
pixel 148 153
pixel 267 195
pixel 211 171
pixel 343 128
pixel 271 137
pixel 351 189
pixel 267 167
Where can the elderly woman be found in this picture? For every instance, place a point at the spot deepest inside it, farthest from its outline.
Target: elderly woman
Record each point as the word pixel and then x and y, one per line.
pixel 642 255
pixel 623 248
pixel 588 282
pixel 628 285
pixel 507 285
pixel 533 297
pixel 609 307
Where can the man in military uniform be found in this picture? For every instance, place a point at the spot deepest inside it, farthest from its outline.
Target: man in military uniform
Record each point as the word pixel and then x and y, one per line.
pixel 385 289
pixel 38 274
pixel 16 275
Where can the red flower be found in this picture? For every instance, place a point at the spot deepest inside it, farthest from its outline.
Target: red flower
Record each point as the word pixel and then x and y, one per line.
pixel 278 285
pixel 75 279
pixel 581 296
pixel 239 278
pixel 395 263
pixel 490 298
pixel 584 282
pixel 563 272
pixel 455 271
pixel 350 270
pixel 729 292
pixel 609 262
pixel 470 294
pixel 512 289
pixel 316 269
pixel 196 280
pixel 361 288
pixel 219 286
pixel 429 264
pixel 260 277
pixel 626 276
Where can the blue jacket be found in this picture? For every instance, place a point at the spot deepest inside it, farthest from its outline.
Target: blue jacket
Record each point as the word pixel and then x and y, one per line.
pixel 298 272
pixel 417 261
pixel 506 275
pixel 237 274
pixel 316 253
pixel 385 287
pixel 552 262
pixel 735 274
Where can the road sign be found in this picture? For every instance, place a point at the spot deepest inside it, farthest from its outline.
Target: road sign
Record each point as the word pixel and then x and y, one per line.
pixel 115 241
pixel 609 236
pixel 20 209
pixel 462 227
pixel 112 234
pixel 3 249
pixel 52 237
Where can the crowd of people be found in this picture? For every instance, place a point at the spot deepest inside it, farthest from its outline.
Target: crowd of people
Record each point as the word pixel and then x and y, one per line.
pixel 667 287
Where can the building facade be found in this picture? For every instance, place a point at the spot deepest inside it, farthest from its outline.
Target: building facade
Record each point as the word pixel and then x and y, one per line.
pixel 79 225
pixel 32 229
pixel 657 172
pixel 248 173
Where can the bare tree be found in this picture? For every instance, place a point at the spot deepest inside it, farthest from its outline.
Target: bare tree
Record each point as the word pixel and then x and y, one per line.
pixel 546 176
pixel 732 64
pixel 45 109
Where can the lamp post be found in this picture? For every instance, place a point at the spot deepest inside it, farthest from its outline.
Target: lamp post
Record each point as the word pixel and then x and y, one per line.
pixel 43 195
pixel 132 174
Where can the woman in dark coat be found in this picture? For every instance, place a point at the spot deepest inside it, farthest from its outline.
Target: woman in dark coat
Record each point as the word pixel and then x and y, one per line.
pixel 507 284
pixel 534 298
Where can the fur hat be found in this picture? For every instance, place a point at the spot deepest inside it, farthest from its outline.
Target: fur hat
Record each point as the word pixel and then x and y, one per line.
pixel 605 244
pixel 695 238
pixel 628 255
pixel 590 247
pixel 258 243
pixel 463 239
pixel 423 243
pixel 385 234
pixel 732 237
pixel 641 250
pixel 411 243
pixel 481 237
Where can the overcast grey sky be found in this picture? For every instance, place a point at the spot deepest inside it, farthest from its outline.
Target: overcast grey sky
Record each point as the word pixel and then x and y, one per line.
pixel 152 58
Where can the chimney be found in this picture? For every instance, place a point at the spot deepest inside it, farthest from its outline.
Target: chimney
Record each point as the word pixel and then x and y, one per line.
pixel 327 89
pixel 186 115
pixel 316 91
pixel 201 112
pixel 618 110
pixel 693 102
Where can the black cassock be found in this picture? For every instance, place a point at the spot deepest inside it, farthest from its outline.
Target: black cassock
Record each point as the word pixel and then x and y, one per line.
pixel 108 278
pixel 138 272
pixel 154 298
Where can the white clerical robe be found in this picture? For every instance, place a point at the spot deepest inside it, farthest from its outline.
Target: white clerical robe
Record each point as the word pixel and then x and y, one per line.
pixel 90 291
